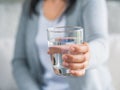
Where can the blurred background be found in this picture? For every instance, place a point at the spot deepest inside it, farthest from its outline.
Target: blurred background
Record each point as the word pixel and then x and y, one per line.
pixel 9 15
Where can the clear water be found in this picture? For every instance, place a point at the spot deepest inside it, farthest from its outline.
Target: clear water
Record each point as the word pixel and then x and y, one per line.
pixel 63 41
pixel 57 58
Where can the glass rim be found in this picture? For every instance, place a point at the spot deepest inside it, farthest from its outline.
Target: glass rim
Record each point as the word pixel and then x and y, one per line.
pixel 58 29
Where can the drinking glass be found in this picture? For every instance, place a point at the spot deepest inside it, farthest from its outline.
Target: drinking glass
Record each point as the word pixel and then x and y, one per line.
pixel 63 37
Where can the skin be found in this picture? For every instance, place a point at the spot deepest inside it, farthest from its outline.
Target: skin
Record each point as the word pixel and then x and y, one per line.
pixel 53 9
pixel 79 55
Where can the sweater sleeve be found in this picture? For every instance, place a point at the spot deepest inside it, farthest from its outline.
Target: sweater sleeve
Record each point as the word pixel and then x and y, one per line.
pixel 96 31
pixel 21 71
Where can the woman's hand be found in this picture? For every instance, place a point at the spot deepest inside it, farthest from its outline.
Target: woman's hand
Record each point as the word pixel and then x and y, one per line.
pixel 77 59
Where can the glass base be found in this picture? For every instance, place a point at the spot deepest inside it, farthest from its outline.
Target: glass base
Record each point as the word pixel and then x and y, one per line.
pixel 62 71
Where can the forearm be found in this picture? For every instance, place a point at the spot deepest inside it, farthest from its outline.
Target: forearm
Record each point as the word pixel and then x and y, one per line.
pixel 96 30
pixel 98 53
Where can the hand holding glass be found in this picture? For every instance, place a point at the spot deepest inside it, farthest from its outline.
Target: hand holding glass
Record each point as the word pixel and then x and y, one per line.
pixel 59 40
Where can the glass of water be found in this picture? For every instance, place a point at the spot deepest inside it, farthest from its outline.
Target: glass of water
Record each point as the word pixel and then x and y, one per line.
pixel 63 37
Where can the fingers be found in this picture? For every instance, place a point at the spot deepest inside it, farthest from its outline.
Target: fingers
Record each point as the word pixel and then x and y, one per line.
pixel 71 49
pixel 73 58
pixel 78 49
pixel 76 63
pixel 59 49
pixel 55 49
pixel 76 66
pixel 77 72
pixel 76 69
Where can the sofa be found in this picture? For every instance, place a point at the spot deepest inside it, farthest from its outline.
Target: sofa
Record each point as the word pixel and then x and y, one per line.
pixel 7 42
